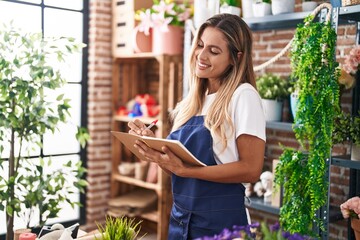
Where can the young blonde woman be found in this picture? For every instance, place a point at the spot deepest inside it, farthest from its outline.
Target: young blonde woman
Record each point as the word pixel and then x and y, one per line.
pixel 221 121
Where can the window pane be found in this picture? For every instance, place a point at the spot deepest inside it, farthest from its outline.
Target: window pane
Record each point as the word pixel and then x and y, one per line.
pixel 71 25
pixel 63 23
pixel 28 18
pixel 27 149
pixel 63 140
pixel 70 4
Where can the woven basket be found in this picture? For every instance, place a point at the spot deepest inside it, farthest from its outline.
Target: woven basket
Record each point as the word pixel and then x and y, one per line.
pixel 350 2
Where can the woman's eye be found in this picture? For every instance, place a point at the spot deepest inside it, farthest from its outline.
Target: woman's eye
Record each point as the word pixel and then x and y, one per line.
pixel 215 52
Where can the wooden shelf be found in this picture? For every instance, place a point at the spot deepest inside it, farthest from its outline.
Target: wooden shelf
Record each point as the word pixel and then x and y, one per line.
pixel 136 182
pixel 161 77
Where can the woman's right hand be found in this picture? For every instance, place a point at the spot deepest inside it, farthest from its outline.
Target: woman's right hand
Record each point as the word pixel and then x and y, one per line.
pixel 137 127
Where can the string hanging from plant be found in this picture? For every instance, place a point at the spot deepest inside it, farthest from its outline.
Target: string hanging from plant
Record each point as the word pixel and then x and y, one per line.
pixel 315 68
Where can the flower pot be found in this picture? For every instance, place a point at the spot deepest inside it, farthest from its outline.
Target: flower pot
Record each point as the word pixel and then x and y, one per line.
pixel 247 9
pixel 309 6
pixel 335 3
pixel 141 41
pixel 261 9
pixel 273 109
pixel 168 41
pixel 230 9
pixel 355 225
pixel 282 6
pixel 355 152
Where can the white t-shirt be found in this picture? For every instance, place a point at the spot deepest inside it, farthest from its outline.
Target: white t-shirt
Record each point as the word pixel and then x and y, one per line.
pixel 248 117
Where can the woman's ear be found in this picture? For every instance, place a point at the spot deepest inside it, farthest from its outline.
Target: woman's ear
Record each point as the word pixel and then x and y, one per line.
pixel 239 54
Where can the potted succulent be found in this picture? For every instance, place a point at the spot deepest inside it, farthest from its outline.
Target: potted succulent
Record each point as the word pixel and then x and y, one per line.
pixel 347 129
pixel 230 6
pixel 302 172
pixel 27 112
pixel 308 5
pixel 273 90
pixel 261 8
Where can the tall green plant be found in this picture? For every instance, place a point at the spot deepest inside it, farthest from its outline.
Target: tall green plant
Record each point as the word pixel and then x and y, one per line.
pixel 314 65
pixel 26 114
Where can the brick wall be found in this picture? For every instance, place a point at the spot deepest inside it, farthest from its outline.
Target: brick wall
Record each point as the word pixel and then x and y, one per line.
pixel 267 44
pixel 99 111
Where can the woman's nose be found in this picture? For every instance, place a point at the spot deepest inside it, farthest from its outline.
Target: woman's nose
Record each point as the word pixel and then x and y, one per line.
pixel 202 55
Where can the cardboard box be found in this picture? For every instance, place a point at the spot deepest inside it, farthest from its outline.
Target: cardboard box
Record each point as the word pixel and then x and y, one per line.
pixel 123 24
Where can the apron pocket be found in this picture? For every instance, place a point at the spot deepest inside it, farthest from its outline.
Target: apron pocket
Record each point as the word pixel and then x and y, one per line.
pixel 178 224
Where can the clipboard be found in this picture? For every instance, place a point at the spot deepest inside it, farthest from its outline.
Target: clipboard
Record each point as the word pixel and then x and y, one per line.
pixel 157 143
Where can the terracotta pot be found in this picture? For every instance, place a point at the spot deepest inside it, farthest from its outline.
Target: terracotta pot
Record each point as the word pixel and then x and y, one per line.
pixel 168 42
pixel 142 42
pixel 355 224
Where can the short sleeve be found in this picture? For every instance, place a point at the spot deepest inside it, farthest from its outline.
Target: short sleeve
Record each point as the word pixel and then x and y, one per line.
pixel 249 117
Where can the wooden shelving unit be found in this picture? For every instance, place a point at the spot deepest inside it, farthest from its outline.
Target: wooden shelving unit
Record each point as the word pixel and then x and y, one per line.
pixel 161 77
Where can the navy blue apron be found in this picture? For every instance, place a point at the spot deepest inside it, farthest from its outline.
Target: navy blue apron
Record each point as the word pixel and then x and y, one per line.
pixel 202 208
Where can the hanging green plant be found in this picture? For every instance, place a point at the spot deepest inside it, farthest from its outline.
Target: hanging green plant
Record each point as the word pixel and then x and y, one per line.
pixel 304 175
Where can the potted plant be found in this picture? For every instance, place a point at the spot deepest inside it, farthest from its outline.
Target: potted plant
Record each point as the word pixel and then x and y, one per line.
pixel 121 228
pixel 166 19
pixel 347 128
pixel 282 6
pixel 26 112
pixel 261 8
pixel 308 5
pixel 302 172
pixel 230 6
pixel 351 209
pixel 273 90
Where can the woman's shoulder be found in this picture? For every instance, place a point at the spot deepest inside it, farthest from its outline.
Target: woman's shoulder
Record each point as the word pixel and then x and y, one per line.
pixel 246 88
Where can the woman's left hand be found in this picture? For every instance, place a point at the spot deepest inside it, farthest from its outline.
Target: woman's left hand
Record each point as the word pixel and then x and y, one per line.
pixel 167 160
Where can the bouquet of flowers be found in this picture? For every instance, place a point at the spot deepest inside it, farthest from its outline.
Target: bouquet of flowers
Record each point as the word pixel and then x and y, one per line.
pixel 350 67
pixel 351 208
pixel 162 14
pixel 255 231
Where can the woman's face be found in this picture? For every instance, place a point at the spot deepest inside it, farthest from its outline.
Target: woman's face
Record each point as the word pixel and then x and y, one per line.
pixel 212 54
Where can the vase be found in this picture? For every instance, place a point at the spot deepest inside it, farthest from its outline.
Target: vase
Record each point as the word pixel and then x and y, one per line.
pixel 168 41
pixel 230 9
pixel 355 225
pixel 282 6
pixel 273 109
pixel 355 152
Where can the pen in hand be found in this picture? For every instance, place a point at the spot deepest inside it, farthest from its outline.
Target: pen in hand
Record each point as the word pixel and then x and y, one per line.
pixel 153 123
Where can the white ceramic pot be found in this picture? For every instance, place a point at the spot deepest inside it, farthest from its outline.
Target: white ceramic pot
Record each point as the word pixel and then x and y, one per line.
pixel 261 9
pixel 309 6
pixel 282 6
pixel 230 9
pixel 247 8
pixel 355 152
pixel 273 109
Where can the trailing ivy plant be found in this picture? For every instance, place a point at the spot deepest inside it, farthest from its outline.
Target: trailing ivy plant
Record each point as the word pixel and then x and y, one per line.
pixel 27 112
pixel 304 175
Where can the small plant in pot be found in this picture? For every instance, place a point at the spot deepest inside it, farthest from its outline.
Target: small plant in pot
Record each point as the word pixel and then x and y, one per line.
pixel 261 8
pixel 273 90
pixel 347 129
pixel 230 6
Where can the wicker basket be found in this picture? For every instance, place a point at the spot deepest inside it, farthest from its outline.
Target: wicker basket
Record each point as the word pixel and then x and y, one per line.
pixel 350 2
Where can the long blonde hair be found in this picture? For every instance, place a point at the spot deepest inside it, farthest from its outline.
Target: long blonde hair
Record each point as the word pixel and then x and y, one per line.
pixel 239 38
